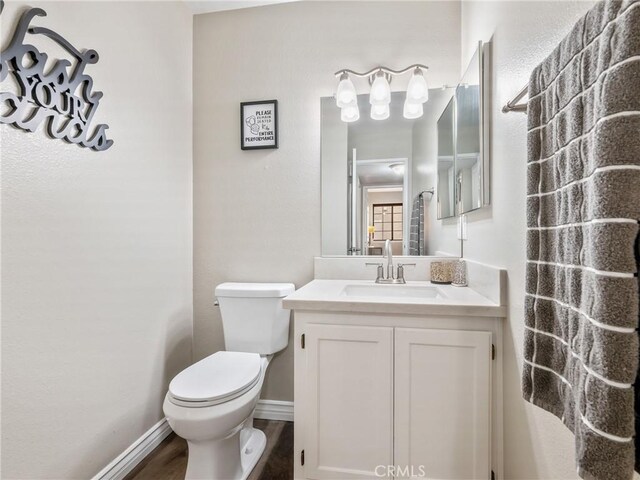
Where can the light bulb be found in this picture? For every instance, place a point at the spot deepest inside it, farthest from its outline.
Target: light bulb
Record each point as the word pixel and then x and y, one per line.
pixel 346 92
pixel 380 112
pixel 380 91
pixel 398 168
pixel 417 90
pixel 412 110
pixel 349 114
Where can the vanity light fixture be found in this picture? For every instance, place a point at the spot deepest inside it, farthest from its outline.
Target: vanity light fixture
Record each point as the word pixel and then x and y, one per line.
pixel 380 112
pixel 346 94
pixel 347 99
pixel 412 110
pixel 380 90
pixel 417 90
pixel 350 113
pixel 380 93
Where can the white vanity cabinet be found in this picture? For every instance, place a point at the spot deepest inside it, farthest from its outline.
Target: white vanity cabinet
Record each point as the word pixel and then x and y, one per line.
pixel 442 407
pixel 348 397
pixel 396 396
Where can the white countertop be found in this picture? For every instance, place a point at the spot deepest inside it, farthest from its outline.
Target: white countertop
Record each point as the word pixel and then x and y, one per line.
pixel 328 295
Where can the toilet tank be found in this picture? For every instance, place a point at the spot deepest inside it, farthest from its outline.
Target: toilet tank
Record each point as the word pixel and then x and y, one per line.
pixel 252 316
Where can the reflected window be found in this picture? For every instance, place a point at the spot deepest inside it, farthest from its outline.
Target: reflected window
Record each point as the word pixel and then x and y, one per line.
pixel 387 221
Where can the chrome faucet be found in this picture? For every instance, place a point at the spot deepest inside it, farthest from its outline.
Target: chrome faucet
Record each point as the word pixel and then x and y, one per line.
pixel 389 256
pixel 390 278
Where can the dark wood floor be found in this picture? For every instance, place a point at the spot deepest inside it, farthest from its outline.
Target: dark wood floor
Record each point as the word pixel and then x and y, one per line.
pixel 169 460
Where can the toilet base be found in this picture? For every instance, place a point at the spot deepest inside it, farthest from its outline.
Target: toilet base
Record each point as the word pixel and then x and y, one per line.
pixel 231 458
pixel 252 450
pixel 222 442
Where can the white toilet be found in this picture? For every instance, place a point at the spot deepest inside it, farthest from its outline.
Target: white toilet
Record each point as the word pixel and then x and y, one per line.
pixel 211 403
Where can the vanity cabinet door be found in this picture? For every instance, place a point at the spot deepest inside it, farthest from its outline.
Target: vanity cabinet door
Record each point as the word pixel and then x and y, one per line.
pixel 349 399
pixel 443 403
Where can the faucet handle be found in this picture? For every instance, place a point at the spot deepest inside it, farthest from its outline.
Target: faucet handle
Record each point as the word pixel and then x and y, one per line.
pixel 380 272
pixel 400 274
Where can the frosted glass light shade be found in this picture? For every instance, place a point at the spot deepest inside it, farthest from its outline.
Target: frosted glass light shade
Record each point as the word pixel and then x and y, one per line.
pixel 417 90
pixel 346 93
pixel 380 112
pixel 398 168
pixel 380 91
pixel 350 114
pixel 412 110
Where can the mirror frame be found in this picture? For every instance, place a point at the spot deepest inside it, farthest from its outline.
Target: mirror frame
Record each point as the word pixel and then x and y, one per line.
pixel 485 120
pixel 453 208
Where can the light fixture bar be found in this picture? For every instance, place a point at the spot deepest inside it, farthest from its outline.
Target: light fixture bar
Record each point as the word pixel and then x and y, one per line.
pixel 380 69
pixel 380 94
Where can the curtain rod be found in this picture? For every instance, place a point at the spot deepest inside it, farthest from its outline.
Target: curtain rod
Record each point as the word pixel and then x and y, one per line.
pixel 513 105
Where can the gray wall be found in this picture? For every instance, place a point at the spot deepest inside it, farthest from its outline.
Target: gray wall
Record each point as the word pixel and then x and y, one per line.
pixel 257 214
pixel 96 248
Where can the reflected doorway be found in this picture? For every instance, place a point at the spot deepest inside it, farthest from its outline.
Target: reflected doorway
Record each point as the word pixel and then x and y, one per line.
pixel 379 205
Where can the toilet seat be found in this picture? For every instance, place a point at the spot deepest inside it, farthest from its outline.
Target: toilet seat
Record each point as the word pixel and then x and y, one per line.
pixel 217 379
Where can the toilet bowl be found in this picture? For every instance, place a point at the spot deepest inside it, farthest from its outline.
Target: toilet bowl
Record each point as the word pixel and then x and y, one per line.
pixel 218 425
pixel 211 403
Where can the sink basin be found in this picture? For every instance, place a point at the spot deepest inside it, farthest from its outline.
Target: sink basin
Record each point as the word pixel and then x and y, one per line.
pixel 398 291
pixel 416 297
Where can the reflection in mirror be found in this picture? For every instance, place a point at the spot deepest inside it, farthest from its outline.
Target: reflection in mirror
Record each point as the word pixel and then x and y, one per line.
pixel 378 179
pixel 446 143
pixel 470 163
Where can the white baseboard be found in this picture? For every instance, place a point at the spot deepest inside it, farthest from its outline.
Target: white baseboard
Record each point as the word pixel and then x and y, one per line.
pixel 137 451
pixel 274 410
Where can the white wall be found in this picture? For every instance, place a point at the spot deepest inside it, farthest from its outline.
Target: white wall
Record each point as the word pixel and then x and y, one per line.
pixel 424 138
pixel 96 248
pixel 381 143
pixel 257 214
pixel 440 235
pixel 334 179
pixel 537 445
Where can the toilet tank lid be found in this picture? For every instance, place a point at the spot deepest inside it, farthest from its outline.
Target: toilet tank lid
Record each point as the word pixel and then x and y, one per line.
pixel 231 289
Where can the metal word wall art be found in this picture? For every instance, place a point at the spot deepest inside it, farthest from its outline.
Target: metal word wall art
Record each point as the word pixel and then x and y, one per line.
pixel 62 97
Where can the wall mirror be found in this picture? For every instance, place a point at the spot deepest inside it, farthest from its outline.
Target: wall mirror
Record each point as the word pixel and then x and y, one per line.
pixel 445 193
pixel 471 178
pixel 463 142
pixel 379 179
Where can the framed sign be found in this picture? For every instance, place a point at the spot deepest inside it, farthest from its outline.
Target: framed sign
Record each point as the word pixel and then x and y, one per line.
pixel 259 125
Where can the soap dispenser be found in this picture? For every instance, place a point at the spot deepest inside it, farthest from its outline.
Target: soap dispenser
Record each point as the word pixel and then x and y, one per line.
pixel 460 270
pixel 459 274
